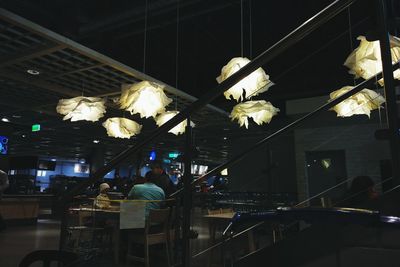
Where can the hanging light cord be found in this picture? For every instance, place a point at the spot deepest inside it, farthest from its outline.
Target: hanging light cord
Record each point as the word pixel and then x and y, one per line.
pixel 351 37
pixel 241 28
pixel 145 35
pixel 250 31
pixel 177 44
pixel 177 52
pixel 83 88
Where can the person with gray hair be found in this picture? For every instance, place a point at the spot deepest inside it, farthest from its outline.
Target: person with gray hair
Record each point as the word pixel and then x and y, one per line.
pixel 4 183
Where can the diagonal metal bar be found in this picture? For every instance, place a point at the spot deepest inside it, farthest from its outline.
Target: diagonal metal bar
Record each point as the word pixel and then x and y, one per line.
pixel 289 40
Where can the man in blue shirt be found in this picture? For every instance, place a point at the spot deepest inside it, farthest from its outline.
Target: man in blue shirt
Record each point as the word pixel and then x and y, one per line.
pixel 148 191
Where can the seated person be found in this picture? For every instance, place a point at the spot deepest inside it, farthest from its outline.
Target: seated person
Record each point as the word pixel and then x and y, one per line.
pixel 148 191
pixel 138 180
pixel 160 177
pixel 102 200
pixel 361 194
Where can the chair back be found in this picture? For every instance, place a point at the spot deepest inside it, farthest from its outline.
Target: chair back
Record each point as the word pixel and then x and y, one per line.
pixel 48 256
pixel 159 217
pixel 84 216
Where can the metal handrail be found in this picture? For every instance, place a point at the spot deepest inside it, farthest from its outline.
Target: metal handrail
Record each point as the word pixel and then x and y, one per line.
pixel 289 40
pixel 228 238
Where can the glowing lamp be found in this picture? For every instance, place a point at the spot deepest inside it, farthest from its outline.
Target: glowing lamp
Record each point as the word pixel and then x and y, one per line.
pixel 254 84
pixel 146 98
pixel 178 129
pixel 121 127
pixel 365 61
pixel 260 111
pixel 358 104
pixel 82 108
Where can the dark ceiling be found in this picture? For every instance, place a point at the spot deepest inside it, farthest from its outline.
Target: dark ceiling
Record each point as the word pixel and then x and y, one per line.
pixel 209 36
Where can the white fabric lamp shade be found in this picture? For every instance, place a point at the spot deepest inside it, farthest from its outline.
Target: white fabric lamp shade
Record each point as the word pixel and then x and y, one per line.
pixel 178 129
pixel 82 108
pixel 358 104
pixel 254 84
pixel 146 98
pixel 121 127
pixel 365 61
pixel 260 111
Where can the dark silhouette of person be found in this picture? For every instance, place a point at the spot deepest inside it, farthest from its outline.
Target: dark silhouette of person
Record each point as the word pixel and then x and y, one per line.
pixel 361 194
pixel 160 178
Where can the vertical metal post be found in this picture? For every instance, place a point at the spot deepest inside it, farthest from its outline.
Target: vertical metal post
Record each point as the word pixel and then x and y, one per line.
pixel 187 196
pixel 62 208
pixel 389 89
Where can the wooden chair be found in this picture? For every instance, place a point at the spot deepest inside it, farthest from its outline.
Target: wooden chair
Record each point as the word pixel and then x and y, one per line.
pixel 156 231
pixel 48 256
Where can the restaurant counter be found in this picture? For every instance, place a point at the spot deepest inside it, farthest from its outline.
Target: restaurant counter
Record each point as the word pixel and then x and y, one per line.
pixel 24 209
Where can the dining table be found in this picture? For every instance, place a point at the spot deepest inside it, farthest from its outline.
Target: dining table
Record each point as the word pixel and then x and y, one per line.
pixel 218 219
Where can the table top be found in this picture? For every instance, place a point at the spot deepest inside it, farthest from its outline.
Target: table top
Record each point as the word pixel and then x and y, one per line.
pixel 94 210
pixel 225 216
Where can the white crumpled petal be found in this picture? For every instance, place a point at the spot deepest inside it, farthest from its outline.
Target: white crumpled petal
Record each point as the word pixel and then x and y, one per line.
pixel 260 111
pixel 82 108
pixel 178 129
pixel 365 61
pixel 361 103
pixel 254 84
pixel 146 98
pixel 121 127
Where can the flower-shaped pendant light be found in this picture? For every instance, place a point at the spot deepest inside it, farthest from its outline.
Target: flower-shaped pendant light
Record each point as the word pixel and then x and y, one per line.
pixel 254 84
pixel 365 61
pixel 178 129
pixel 358 104
pixel 82 108
pixel 260 111
pixel 146 98
pixel 121 127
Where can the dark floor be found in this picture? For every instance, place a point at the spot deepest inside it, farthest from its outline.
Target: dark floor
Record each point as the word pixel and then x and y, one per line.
pixel 17 241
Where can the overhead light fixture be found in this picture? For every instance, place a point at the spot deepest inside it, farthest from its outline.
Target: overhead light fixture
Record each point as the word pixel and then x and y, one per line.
pixel 82 108
pixel 224 172
pixel 95 141
pixel 121 127
pixel 178 129
pixel 146 98
pixel 365 61
pixel 260 111
pixel 252 85
pixel 4 119
pixel 358 104
pixel 33 72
